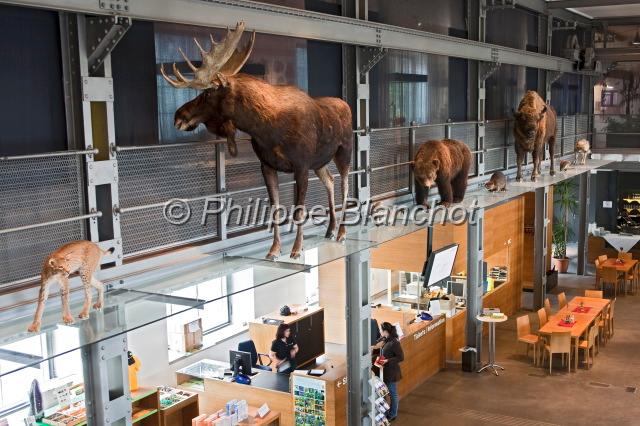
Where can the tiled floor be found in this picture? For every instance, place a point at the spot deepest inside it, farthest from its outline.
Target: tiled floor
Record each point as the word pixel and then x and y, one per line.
pixel 527 395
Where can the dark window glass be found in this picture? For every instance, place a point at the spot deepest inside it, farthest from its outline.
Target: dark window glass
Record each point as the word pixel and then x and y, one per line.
pixel 504 90
pixel 515 28
pixel 436 16
pixel 32 114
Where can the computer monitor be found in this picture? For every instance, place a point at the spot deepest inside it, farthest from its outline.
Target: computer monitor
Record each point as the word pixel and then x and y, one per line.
pixel 439 265
pixel 240 363
pixel 458 288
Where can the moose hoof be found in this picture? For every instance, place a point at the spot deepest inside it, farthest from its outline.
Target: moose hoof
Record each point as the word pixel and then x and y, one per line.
pixel 534 178
pixel 295 254
pixel 330 234
pixel 68 320
pixel 272 256
pixel 518 178
pixel 34 327
pixel 342 234
pixel 97 306
pixel 83 315
pixel 552 172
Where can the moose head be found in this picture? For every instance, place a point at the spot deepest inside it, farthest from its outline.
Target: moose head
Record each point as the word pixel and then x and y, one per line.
pixel 221 63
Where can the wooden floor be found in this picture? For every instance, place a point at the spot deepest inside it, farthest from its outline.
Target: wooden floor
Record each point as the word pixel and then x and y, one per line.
pixel 526 395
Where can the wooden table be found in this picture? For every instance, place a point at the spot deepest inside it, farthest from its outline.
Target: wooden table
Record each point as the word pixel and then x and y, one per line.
pixel 583 320
pixel 625 267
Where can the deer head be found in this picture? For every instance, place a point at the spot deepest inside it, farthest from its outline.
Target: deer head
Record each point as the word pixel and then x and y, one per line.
pixel 222 61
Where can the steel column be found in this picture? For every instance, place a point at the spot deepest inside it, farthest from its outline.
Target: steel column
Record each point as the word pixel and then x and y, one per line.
pixel 475 257
pixel 99 132
pixel 221 188
pixel 358 316
pixel 541 222
pixel 583 215
pixel 105 368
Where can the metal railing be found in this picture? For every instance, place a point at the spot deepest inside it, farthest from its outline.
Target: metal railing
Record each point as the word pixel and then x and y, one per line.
pixel 146 171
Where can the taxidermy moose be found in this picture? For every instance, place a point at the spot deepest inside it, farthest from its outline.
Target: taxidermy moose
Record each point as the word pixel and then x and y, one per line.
pixel 290 131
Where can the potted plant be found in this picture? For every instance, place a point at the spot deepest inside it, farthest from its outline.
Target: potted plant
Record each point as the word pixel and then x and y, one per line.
pixel 565 199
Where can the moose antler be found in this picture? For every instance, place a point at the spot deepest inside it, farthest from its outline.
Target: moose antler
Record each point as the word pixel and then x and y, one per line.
pixel 223 58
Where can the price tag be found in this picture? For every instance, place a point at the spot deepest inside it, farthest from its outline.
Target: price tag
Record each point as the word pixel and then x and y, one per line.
pixel 63 395
pixel 263 411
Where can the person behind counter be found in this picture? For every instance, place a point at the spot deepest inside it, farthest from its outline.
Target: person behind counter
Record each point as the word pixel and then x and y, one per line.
pixel 392 357
pixel 283 350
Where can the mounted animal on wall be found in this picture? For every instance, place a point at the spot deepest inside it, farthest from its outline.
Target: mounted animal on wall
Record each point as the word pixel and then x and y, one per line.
pixel 534 126
pixel 290 131
pixel 78 256
pixel 445 163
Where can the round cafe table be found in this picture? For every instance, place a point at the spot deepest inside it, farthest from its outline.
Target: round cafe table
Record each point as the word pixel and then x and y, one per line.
pixel 491 365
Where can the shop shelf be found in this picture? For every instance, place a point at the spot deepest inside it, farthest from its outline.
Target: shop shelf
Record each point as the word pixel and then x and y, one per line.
pixel 142 414
pixel 131 295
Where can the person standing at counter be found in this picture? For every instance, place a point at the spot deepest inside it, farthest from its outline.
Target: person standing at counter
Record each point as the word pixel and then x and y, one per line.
pixel 283 350
pixel 391 357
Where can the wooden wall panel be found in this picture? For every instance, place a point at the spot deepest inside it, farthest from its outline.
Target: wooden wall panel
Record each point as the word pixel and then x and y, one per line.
pixel 456 338
pixel 406 253
pixel 332 294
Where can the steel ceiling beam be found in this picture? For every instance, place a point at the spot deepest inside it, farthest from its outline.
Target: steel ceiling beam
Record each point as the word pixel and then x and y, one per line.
pixel 540 6
pixel 619 54
pixel 564 4
pixel 286 21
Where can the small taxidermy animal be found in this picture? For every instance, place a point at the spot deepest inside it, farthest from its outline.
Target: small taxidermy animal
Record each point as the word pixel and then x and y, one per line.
pixel 498 182
pixel 565 165
pixel 78 256
pixel 583 148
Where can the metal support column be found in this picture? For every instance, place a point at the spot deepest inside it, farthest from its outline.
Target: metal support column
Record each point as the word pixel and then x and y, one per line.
pixel 97 33
pixel 475 257
pixel 221 188
pixel 358 315
pixel 583 220
pixel 541 223
pixel 105 367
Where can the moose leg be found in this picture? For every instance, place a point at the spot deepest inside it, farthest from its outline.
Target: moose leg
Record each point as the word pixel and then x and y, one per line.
pixel 271 180
pixel 343 165
pixel 552 149
pixel 326 178
pixel 302 181
pixel 42 300
pixel 67 317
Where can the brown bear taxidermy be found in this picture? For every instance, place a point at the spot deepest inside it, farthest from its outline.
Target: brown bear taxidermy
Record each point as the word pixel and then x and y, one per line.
pixel 77 256
pixel 290 131
pixel 535 126
pixel 445 163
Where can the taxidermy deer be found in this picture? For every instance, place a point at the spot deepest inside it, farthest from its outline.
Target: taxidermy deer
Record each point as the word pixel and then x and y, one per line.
pixel 290 131
pixel 77 256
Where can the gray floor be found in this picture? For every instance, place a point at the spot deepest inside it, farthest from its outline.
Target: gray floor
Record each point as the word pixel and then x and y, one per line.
pixel 527 395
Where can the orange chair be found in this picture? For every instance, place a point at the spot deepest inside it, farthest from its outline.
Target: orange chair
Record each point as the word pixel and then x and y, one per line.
pixel 562 300
pixel 588 345
pixel 602 258
pixel 547 307
pixel 610 276
pixel 559 343
pixel 598 272
pixel 525 336
pixel 596 294
pixel 542 317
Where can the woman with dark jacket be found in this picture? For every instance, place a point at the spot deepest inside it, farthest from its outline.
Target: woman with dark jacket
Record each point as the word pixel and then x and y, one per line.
pixel 392 356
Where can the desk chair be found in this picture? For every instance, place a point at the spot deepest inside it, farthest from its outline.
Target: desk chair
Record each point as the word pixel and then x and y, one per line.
pixel 256 358
pixel 542 317
pixel 602 258
pixel 559 343
pixel 525 336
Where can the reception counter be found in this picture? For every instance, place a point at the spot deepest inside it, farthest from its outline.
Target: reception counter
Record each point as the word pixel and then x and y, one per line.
pixel 423 344
pixel 278 391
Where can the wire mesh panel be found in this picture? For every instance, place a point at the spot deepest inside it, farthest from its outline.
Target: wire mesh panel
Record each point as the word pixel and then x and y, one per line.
pixel 389 147
pixel 244 172
pixel 158 175
pixel 582 125
pixel 495 137
pixel 429 133
pixel 36 191
pixel 466 132
pixel 511 141
pixel 569 131
pixel 317 194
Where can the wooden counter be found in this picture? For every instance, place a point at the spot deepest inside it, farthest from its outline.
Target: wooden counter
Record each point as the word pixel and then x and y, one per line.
pixel 269 387
pixel 456 335
pixel 307 327
pixel 423 344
